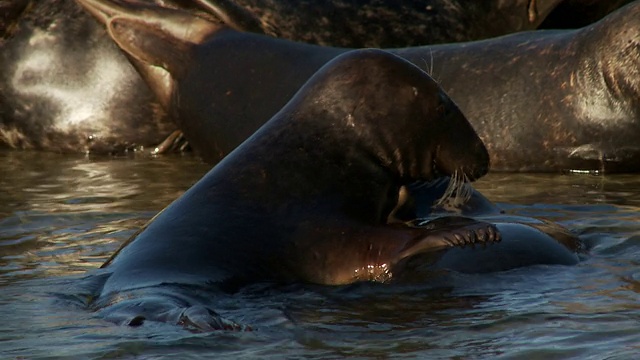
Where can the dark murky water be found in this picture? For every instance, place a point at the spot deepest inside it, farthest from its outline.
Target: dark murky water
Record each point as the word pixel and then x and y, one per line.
pixel 63 215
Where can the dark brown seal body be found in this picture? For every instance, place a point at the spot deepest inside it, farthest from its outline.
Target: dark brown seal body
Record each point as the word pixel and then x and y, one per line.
pixel 541 101
pixel 526 241
pixel 551 100
pixel 65 87
pixel 307 197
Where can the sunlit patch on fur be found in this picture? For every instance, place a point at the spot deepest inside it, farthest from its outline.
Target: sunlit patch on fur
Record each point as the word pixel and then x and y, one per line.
pixel 80 102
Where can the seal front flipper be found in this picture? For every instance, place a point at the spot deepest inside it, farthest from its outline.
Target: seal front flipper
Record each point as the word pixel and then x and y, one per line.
pixel 452 231
pixel 179 23
pixel 389 249
pixel 523 244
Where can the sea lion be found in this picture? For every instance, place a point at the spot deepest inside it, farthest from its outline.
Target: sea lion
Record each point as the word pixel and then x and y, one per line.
pixel 306 198
pixel 542 101
pixel 64 87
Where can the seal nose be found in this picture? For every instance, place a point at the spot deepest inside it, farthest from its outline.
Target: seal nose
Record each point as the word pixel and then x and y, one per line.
pixel 473 163
pixel 481 167
pixel 460 149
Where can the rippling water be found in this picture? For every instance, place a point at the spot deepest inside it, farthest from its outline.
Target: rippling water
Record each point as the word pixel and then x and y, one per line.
pixel 63 215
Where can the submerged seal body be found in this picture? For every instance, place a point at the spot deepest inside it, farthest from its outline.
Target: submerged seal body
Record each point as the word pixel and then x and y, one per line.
pixel 541 101
pixel 307 197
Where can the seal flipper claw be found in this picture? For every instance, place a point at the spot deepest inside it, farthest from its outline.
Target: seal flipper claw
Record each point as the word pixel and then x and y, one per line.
pixel 452 231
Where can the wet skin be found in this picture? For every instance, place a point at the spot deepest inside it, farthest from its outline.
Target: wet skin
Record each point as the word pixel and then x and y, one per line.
pixel 525 241
pixel 64 87
pixel 543 101
pixel 307 197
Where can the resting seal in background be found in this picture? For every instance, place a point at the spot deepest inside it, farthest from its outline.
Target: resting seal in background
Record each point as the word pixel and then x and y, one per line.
pixel 541 101
pixel 388 23
pixel 64 87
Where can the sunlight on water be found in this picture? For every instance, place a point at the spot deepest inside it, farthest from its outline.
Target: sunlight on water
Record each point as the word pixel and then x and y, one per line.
pixel 61 216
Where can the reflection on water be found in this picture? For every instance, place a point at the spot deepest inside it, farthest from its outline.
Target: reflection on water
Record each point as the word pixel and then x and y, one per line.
pixel 63 215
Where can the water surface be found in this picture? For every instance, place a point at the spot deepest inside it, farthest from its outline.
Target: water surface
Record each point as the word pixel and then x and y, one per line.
pixel 63 215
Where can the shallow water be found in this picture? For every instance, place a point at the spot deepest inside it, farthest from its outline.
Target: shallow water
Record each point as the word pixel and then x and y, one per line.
pixel 62 215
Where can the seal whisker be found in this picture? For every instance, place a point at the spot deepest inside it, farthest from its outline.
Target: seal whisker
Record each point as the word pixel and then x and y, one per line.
pixel 458 192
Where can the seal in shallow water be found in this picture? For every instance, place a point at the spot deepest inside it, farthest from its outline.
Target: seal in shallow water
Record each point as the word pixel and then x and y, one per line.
pixel 541 101
pixel 526 241
pixel 307 197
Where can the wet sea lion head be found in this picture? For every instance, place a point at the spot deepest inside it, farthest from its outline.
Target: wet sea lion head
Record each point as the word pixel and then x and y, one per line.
pixel 399 113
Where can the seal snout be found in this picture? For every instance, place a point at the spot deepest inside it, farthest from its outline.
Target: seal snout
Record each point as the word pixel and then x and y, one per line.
pixel 460 149
pixel 481 166
pixel 473 164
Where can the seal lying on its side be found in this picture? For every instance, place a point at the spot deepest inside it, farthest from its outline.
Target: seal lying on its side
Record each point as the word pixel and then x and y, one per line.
pixel 541 101
pixel 525 241
pixel 307 197
pixel 64 87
